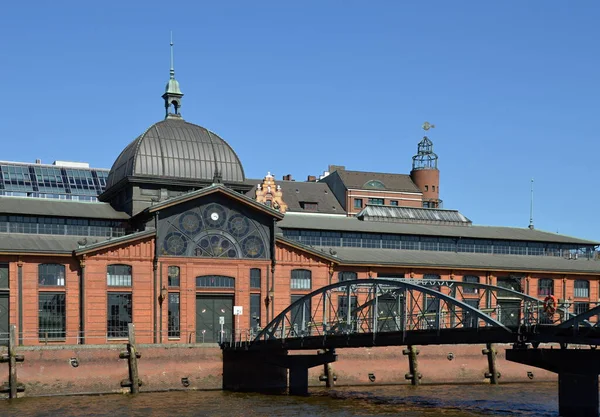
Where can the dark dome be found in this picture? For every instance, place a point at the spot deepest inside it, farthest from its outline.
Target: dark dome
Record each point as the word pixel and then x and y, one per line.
pixel 176 149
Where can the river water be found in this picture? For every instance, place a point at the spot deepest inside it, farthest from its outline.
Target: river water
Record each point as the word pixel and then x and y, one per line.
pixel 535 399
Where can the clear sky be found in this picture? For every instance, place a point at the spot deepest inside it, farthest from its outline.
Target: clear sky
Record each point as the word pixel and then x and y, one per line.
pixel 512 87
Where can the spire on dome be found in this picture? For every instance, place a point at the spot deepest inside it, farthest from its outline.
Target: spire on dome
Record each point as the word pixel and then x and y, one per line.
pixel 173 94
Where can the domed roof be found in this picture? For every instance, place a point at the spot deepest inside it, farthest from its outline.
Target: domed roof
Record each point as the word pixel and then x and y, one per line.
pixel 177 150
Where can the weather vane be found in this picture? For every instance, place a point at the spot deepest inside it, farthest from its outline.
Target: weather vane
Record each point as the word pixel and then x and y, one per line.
pixel 427 126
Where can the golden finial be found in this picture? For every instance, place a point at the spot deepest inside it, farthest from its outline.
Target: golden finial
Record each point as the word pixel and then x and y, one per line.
pixel 426 126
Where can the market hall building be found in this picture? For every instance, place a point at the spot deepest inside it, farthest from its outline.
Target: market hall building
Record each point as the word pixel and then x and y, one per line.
pixel 174 236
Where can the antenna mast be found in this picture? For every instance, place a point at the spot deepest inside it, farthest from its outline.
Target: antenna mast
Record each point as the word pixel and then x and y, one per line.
pixel 531 207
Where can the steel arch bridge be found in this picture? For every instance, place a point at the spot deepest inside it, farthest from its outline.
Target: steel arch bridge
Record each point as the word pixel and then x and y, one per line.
pixel 385 312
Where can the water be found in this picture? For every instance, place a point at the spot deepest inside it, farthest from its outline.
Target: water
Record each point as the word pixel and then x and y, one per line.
pixel 514 400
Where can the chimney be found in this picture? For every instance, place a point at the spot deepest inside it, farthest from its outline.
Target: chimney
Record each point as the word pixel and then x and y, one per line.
pixel 287 177
pixel 311 178
pixel 336 168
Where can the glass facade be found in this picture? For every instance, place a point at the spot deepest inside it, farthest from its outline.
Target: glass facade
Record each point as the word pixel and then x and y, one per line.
pixel 434 243
pixel 51 181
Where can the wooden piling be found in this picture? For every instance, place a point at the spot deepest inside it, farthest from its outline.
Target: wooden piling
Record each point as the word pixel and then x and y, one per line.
pixel 12 362
pixel 132 355
pixel 413 365
pixel 12 388
pixel 493 375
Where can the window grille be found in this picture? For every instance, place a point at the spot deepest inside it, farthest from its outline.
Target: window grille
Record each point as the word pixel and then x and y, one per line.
pixel 301 279
pixel 119 313
pixel 255 278
pixel 545 287
pixel 51 275
pixel 52 316
pixel 472 279
pixel 118 276
pixel 582 288
pixel 174 319
pixel 347 276
pixel 215 281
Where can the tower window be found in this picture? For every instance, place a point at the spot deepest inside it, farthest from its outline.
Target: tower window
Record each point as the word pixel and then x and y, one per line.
pixel 433 188
pixel 427 188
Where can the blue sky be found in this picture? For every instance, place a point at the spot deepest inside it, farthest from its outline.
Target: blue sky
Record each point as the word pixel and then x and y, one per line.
pixel 511 86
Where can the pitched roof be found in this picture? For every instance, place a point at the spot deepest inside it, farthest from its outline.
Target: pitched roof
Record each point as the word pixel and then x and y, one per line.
pixel 296 192
pixel 358 256
pixel 59 208
pixel 23 243
pixel 352 224
pixel 220 188
pixel 391 182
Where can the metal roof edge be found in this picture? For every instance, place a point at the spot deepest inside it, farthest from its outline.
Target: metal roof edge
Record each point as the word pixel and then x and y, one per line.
pixel 305 248
pixel 117 241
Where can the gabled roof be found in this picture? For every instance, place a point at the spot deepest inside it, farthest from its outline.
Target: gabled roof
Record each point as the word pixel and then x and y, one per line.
pixel 296 192
pixel 391 182
pixel 59 208
pixel 352 224
pixel 114 242
pixel 215 188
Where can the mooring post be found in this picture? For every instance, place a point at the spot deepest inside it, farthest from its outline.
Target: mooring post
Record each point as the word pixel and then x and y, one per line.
pixel 413 365
pixel 328 376
pixel 492 374
pixel 132 355
pixel 12 358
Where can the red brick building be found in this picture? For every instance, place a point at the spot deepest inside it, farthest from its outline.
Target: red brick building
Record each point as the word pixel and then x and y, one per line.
pixel 179 239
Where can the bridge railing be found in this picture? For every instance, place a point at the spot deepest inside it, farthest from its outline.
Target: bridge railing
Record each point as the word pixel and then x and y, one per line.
pixel 402 305
pixel 374 306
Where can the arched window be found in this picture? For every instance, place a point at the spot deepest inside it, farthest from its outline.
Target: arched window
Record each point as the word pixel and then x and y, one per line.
pixel 215 281
pixel 473 279
pixel 301 279
pixel 51 275
pixel 545 287
pixel 118 275
pixel 255 278
pixel 374 184
pixel 582 288
pixel 347 276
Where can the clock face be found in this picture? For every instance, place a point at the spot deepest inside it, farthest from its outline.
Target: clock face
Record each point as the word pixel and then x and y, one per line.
pixel 214 216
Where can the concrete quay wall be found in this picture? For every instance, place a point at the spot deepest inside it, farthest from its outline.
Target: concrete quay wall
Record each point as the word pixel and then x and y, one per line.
pixel 81 369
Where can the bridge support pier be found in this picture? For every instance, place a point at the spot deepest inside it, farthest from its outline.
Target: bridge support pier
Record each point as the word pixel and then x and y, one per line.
pixel 577 371
pixel 266 371
pixel 413 365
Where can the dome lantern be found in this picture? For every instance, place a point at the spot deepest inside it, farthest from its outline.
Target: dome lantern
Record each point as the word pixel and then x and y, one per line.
pixel 173 94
